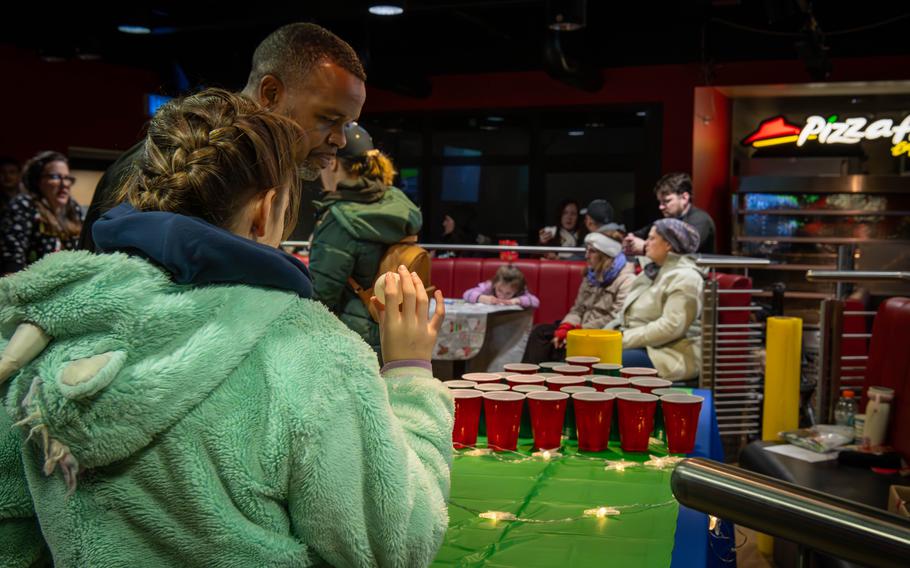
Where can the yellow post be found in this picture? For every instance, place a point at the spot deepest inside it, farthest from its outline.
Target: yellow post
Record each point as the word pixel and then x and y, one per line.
pixel 783 362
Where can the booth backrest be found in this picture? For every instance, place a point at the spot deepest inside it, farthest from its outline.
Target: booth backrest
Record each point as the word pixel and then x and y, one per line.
pixel 555 282
pixel 889 366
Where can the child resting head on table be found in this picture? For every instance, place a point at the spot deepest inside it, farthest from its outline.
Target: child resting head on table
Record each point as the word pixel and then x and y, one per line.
pixel 508 287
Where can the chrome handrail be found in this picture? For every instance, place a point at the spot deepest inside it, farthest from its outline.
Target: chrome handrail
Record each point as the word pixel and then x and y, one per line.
pixel 835 526
pixel 857 276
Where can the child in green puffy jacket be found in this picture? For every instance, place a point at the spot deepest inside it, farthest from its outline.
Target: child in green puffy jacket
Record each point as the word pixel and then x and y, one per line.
pixel 180 401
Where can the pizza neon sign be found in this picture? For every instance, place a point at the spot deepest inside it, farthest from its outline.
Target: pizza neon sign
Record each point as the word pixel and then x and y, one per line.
pixel 831 130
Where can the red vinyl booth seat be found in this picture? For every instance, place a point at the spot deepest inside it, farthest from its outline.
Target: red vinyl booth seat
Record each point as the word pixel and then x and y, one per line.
pixel 556 283
pixel 889 366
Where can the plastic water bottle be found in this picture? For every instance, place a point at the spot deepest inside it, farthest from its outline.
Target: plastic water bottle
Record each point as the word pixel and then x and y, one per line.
pixel 845 411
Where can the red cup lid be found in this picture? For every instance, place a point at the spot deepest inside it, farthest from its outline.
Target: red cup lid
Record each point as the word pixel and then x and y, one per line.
pixel 481 377
pixel 547 395
pixel 593 396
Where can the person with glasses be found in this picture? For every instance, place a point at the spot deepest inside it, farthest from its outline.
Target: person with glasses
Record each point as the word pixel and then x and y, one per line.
pixel 44 218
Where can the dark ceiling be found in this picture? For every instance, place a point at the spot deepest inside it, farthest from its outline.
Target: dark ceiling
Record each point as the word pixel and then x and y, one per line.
pixel 210 43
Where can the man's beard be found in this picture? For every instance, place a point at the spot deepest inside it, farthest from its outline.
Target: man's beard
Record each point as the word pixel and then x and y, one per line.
pixel 308 172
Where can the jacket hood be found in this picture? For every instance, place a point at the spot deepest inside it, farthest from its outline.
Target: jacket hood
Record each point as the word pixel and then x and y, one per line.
pixel 383 221
pixel 131 351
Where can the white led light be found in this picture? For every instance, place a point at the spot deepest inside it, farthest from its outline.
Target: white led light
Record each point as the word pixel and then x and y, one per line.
pixel 134 29
pixel 386 10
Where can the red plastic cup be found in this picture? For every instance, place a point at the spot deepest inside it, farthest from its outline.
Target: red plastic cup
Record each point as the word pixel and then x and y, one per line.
pixel 648 384
pixel 559 381
pixel 548 413
pixel 491 387
pixel 521 368
pixel 661 392
pixel 602 382
pixel 482 377
pixel 515 380
pixel 503 414
pixel 530 388
pixel 460 384
pixel 636 420
pixel 636 372
pixel 467 417
pixel 572 370
pixel 611 369
pixel 593 417
pixel 681 421
pixel 548 374
pixel 548 365
pixel 583 361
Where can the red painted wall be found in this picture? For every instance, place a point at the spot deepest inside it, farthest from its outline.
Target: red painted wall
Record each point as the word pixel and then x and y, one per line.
pixel 711 160
pixel 52 106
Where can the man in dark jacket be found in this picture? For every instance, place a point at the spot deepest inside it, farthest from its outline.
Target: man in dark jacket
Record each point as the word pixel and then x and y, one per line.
pixel 302 71
pixel 674 196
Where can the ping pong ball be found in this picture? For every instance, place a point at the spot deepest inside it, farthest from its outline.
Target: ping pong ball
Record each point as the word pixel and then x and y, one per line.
pixel 379 287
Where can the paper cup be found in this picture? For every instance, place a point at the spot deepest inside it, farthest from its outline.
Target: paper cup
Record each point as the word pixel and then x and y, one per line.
pixel 608 369
pixel 548 413
pixel 603 383
pixel 482 377
pixel 593 420
pixel 681 421
pixel 637 372
pixel 648 384
pixel 559 381
pixel 521 368
pixel 583 361
pixel 503 418
pixel 515 380
pixel 460 384
pixel 572 370
pixel 636 420
pixel 467 417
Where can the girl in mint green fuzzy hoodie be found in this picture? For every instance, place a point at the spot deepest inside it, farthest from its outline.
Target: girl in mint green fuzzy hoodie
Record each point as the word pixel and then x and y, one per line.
pixel 181 402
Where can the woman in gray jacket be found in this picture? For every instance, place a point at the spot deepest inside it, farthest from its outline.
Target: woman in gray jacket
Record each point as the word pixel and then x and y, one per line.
pixel 660 318
pixel 608 278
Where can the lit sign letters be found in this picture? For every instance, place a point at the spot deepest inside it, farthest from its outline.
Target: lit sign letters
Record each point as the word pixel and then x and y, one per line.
pixel 777 130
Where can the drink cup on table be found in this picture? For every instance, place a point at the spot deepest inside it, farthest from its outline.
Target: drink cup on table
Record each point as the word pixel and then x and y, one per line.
pixel 605 382
pixel 593 419
pixel 636 420
pixel 482 377
pixel 568 429
pixel 648 384
pixel 521 368
pixel 503 419
pixel 467 417
pixel 525 429
pixel 608 369
pixel 637 372
pixel 559 381
pixel 516 380
pixel 491 387
pixel 548 412
pixel 572 370
pixel 460 384
pixel 680 414
pixel 583 361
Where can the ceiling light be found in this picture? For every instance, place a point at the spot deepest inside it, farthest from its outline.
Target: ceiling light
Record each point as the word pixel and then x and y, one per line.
pixel 641 113
pixel 576 133
pixel 495 119
pixel 386 9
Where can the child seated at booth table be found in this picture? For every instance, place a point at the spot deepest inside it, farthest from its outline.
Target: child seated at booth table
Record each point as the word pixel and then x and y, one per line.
pixel 508 287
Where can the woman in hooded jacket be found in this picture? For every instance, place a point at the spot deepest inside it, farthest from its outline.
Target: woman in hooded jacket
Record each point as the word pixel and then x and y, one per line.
pixel 181 401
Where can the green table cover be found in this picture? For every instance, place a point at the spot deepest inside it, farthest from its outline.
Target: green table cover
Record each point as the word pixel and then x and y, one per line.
pixel 641 535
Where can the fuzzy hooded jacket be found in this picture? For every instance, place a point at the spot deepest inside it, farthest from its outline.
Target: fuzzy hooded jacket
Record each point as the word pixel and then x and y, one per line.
pixel 219 425
pixel 357 224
